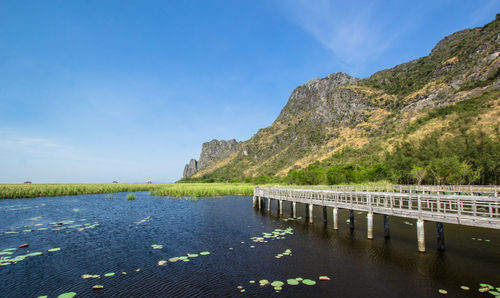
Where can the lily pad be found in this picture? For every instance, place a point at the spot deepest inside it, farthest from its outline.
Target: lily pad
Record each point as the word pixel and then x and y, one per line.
pixel 42 296
pixel 299 279
pixel 277 283
pixel 54 249
pixel 324 277
pixel 292 282
pixel 162 263
pixel 85 276
pixel 495 293
pixel 242 290
pixel 441 291
pixel 192 255
pixel 465 288
pixel 97 287
pixel 67 295
pixel 263 282
pixel 173 260
pixel 278 288
pixel 109 274
pixel 252 281
pixel 309 282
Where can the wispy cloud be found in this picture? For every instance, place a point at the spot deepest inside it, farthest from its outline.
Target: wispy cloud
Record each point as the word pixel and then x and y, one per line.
pixel 37 146
pixel 355 32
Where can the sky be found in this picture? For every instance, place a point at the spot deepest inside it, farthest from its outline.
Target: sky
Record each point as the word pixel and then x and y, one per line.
pixel 100 90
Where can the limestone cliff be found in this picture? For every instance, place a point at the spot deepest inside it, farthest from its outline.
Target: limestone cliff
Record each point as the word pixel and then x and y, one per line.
pixel 211 152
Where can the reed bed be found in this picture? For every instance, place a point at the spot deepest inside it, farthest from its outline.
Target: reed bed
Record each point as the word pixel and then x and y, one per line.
pixel 199 190
pixel 14 191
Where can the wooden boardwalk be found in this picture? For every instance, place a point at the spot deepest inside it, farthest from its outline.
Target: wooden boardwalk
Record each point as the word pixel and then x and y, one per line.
pixel 440 204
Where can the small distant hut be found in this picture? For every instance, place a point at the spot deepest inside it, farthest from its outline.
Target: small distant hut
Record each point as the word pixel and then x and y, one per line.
pixel 27 182
pixel 114 182
pixel 148 182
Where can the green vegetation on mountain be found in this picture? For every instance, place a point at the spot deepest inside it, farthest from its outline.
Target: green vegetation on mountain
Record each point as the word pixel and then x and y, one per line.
pixel 432 120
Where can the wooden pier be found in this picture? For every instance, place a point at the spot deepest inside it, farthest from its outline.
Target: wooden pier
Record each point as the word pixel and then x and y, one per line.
pixel 477 206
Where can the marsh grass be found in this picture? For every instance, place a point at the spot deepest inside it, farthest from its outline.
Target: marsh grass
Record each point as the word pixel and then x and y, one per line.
pixel 131 196
pixel 198 190
pixel 14 191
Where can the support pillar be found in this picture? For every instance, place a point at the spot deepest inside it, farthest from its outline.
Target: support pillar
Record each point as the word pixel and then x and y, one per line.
pixel 325 217
pixel 420 235
pixel 369 217
pixel 335 218
pixel 281 207
pixel 306 211
pixel 387 233
pixel 269 205
pixel 351 219
pixel 259 199
pixel 254 201
pixel 263 203
pixel 311 206
pixel 440 236
pixel 291 209
pixel 294 209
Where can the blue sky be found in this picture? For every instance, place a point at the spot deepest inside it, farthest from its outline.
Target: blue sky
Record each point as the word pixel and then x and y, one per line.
pixel 96 91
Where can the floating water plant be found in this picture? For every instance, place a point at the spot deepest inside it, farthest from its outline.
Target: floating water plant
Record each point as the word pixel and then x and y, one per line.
pixel 86 276
pixel 131 196
pixel 157 246
pixel 109 274
pixel 465 288
pixel 204 253
pixel 324 277
pixel 292 282
pixel 162 263
pixel 54 249
pixel 263 282
pixel 309 282
pixel 67 295
pixel 97 287
pixel 441 291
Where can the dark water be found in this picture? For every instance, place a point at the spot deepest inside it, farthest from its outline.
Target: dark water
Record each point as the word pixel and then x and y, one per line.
pixel 357 267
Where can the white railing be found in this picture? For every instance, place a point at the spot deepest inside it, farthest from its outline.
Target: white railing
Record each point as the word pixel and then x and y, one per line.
pixel 473 210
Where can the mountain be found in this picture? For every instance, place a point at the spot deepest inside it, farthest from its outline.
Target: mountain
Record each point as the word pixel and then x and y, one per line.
pixel 450 97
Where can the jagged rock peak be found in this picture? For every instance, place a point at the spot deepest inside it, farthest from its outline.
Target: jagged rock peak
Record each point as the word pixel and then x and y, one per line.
pixel 190 169
pixel 211 152
pixel 216 150
pixel 314 93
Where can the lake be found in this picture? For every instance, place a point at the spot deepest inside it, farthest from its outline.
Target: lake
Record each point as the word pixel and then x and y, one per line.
pixel 98 235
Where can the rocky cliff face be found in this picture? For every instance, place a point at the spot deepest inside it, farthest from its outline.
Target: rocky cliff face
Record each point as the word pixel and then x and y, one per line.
pixel 329 115
pixel 211 152
pixel 190 169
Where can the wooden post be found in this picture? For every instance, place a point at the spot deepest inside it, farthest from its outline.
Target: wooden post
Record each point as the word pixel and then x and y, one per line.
pixel 387 233
pixel 335 218
pixel 440 236
pixel 269 205
pixel 259 201
pixel 420 235
pixel 370 225
pixel 281 207
pixel 311 207
pixel 254 201
pixel 351 219
pixel 306 206
pixel 291 209
pixel 325 218
pixel 294 208
pixel 263 203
